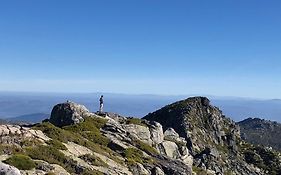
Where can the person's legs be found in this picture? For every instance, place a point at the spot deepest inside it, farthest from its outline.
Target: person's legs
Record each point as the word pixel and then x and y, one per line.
pixel 101 107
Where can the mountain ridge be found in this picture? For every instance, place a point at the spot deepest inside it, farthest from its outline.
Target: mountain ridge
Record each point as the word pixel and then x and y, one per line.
pixel 262 132
pixel 188 137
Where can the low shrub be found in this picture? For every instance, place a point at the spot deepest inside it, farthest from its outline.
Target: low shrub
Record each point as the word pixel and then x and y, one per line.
pixel 135 155
pixel 21 161
pixel 56 144
pixel 48 154
pixel 10 149
pixel 93 160
pixel 135 121
pixel 199 171
pixel 145 147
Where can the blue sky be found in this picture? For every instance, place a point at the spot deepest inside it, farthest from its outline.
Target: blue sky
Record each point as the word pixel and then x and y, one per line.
pixel 218 47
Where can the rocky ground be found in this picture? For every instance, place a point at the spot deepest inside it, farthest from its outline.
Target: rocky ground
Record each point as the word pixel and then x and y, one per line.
pixel 262 132
pixel 184 138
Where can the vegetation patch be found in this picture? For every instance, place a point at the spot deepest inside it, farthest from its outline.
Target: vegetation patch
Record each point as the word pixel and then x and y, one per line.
pixel 85 134
pixel 21 161
pixel 56 144
pixel 10 149
pixel 199 171
pixel 262 157
pixel 48 154
pixel 54 156
pixel 55 133
pixel 30 142
pixel 90 129
pixel 93 160
pixel 145 147
pixel 134 155
pixel 135 121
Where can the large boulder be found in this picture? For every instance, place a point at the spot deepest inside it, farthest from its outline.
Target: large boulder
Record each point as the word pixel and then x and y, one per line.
pixel 140 132
pixel 8 170
pixel 170 149
pixel 68 113
pixel 156 132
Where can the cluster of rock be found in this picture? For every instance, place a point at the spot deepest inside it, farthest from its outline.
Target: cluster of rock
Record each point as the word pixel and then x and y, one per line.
pixel 174 157
pixel 15 134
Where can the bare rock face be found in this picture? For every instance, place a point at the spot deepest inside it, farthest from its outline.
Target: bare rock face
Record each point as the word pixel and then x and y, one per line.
pixel 170 149
pixel 156 132
pixel 140 132
pixel 8 170
pixel 68 113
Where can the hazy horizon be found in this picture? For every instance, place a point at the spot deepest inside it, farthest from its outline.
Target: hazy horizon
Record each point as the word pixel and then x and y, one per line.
pixel 15 104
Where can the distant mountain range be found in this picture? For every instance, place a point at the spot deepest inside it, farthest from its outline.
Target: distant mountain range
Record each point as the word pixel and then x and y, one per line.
pixel 29 118
pixel 30 106
pixel 261 132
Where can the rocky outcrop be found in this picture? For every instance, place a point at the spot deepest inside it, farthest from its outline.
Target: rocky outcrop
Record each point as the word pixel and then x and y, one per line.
pixel 211 138
pixel 15 135
pixel 68 113
pixel 8 170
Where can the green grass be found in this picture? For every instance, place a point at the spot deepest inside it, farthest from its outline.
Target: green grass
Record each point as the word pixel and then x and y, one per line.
pixel 145 147
pixel 30 142
pixel 56 144
pixel 55 133
pixel 85 134
pixel 199 171
pixel 93 160
pixel 134 155
pixel 48 154
pixel 54 156
pixel 90 129
pixel 10 149
pixel 21 161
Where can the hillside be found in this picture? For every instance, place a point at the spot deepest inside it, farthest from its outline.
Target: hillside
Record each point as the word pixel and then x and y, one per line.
pixel 262 132
pixel 188 137
pixel 207 130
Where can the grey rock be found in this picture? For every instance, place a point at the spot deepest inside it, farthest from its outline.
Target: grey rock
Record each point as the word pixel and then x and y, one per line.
pixel 68 113
pixel 158 171
pixel 156 131
pixel 169 149
pixel 138 169
pixel 140 132
pixel 8 170
pixel 171 134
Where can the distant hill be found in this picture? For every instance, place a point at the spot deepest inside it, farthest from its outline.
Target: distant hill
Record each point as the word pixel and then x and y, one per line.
pixel 262 132
pixel 29 118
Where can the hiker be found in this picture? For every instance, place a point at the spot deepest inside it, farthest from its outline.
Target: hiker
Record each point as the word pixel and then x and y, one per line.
pixel 101 103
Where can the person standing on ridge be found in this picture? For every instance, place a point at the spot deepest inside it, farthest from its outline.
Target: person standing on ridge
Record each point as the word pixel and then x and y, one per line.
pixel 101 103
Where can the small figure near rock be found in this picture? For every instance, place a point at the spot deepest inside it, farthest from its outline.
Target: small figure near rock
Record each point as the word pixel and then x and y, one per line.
pixel 101 104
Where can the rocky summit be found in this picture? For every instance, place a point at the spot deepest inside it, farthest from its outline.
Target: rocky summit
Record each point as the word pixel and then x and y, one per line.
pixel 214 139
pixel 189 137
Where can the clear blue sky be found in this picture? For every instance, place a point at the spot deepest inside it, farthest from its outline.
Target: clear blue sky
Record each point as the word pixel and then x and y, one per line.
pixel 218 47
